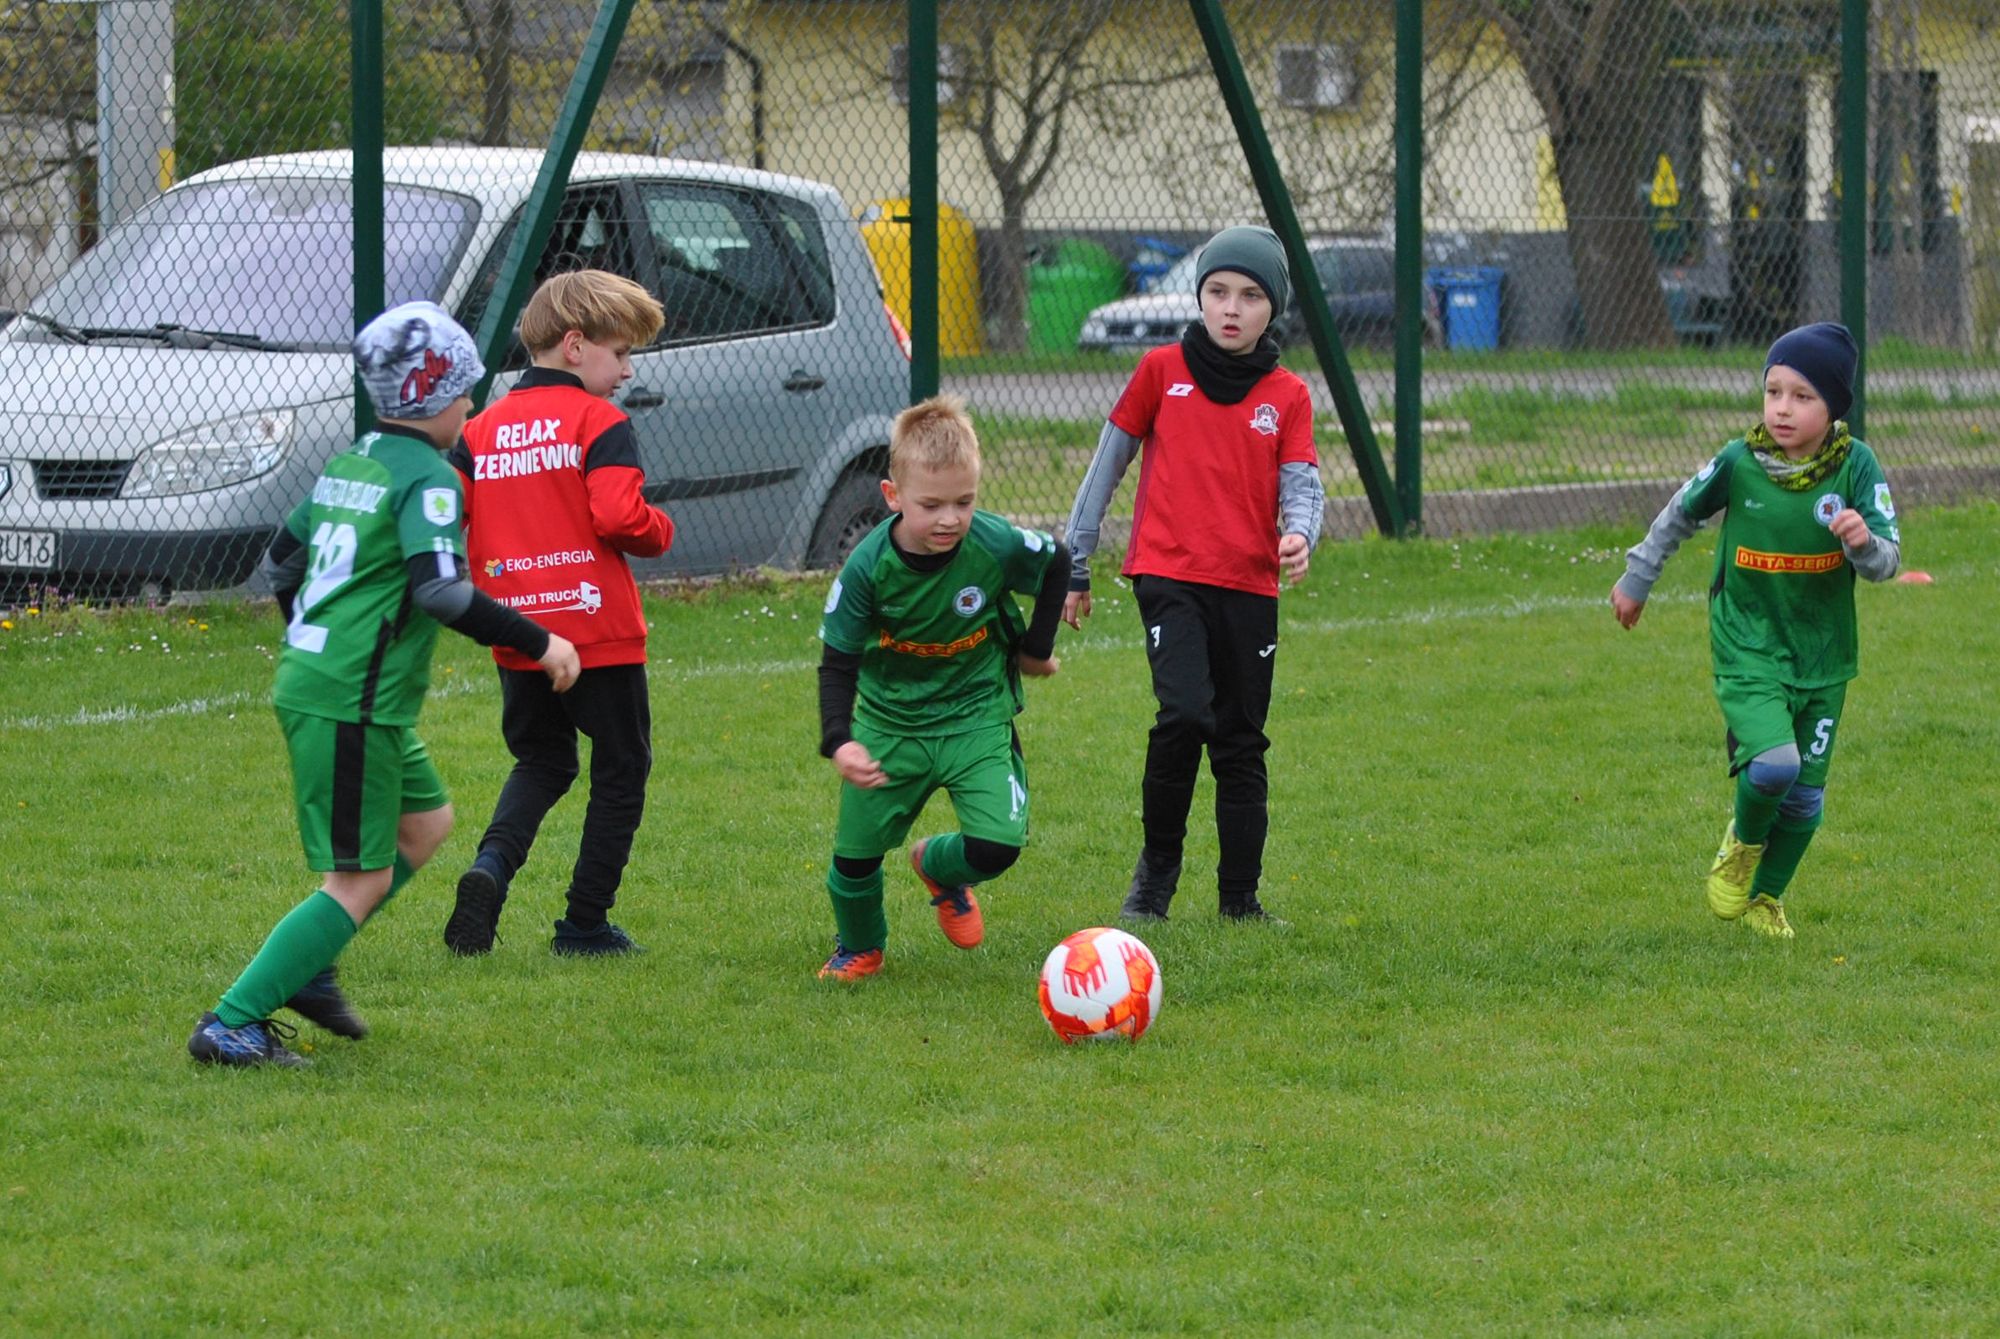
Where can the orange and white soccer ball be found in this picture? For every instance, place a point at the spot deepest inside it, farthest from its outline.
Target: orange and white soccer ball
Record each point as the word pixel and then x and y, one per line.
pixel 1098 984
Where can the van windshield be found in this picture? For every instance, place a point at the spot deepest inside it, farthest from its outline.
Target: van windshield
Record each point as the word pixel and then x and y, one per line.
pixel 270 258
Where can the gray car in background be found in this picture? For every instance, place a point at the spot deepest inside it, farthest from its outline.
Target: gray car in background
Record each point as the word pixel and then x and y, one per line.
pixel 166 402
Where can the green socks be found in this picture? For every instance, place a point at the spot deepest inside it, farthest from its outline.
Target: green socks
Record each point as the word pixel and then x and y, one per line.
pixel 857 909
pixel 399 875
pixel 944 860
pixel 309 938
pixel 1754 810
pixel 1783 850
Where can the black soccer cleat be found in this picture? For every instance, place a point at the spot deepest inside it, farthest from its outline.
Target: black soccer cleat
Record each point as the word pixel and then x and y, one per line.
pixel 1153 884
pixel 600 941
pixel 322 1001
pixel 476 915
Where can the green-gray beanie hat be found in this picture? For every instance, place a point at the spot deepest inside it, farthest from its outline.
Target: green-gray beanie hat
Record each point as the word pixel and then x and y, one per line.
pixel 1256 252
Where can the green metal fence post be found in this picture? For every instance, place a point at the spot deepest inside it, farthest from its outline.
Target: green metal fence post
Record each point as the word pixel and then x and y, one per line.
pixel 1854 191
pixel 1277 203
pixel 365 100
pixel 517 271
pixel 1410 262
pixel 923 72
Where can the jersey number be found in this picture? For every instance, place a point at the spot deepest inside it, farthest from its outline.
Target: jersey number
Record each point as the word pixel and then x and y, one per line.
pixel 1822 737
pixel 333 549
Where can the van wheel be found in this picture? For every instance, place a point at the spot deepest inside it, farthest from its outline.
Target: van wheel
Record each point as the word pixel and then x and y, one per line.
pixel 855 508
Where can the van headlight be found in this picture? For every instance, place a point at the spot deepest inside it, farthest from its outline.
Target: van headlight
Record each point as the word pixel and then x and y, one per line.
pixel 214 455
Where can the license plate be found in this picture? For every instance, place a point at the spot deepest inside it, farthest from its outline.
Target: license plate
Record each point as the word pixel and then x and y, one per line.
pixel 34 549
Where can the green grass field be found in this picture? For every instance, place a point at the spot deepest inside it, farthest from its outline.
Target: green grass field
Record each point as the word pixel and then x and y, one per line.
pixel 1504 1075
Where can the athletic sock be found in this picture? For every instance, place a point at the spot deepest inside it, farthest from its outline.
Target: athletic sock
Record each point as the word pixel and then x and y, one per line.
pixel 306 941
pixel 1754 811
pixel 400 874
pixel 857 909
pixel 944 860
pixel 1783 849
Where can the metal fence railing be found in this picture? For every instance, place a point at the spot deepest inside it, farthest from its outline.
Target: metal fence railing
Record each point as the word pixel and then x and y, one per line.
pixel 1623 203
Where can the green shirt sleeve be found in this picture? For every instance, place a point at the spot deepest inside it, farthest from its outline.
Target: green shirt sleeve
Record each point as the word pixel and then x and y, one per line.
pixel 428 513
pixel 1708 492
pixel 850 605
pixel 1871 495
pixel 1025 559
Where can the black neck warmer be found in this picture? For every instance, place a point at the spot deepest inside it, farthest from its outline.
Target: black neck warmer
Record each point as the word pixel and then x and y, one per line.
pixel 1226 377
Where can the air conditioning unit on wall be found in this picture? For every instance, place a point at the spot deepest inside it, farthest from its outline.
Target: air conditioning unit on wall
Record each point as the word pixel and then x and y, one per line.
pixel 1316 77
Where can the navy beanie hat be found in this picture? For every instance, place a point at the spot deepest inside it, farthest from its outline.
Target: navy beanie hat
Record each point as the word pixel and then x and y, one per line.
pixel 1256 252
pixel 1824 354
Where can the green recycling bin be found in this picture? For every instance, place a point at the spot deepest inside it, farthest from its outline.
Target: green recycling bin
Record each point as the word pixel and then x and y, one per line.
pixel 1065 282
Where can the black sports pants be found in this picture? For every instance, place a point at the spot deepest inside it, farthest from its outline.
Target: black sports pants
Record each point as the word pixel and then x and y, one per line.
pixel 1212 651
pixel 607 704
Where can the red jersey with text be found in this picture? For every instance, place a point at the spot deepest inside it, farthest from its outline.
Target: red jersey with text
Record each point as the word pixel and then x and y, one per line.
pixel 1207 503
pixel 553 504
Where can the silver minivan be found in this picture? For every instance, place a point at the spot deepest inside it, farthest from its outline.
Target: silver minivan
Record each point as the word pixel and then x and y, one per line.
pixel 168 399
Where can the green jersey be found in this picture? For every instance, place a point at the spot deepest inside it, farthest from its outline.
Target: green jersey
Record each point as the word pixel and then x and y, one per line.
pixel 1782 603
pixel 358 648
pixel 937 647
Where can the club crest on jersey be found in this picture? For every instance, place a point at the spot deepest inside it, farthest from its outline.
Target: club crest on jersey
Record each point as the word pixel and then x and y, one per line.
pixel 1265 420
pixel 1827 506
pixel 440 505
pixel 969 601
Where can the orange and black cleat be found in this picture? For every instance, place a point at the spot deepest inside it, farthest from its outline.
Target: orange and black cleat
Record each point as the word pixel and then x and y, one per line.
pixel 848 964
pixel 957 909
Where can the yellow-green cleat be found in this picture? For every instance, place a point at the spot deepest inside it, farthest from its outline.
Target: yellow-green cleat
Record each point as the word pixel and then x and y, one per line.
pixel 1729 877
pixel 1766 915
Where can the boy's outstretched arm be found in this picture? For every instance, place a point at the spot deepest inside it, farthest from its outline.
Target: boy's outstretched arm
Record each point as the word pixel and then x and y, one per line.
pixel 440 587
pixel 1038 644
pixel 1115 451
pixel 1644 560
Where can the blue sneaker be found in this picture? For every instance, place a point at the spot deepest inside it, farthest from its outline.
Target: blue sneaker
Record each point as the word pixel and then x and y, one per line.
pixel 321 1001
pixel 258 1043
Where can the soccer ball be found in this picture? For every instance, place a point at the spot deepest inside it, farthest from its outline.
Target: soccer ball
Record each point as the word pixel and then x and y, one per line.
pixel 1098 984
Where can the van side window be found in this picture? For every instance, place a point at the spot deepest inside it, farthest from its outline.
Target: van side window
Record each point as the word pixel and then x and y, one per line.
pixel 729 263
pixel 591 232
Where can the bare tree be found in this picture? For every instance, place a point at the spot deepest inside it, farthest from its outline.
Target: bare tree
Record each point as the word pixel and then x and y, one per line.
pixel 1596 69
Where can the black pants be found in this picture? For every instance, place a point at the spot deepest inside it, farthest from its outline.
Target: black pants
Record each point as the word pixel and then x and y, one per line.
pixel 608 704
pixel 1212 651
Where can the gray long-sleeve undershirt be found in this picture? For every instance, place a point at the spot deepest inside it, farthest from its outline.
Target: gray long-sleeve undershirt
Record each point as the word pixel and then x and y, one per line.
pixel 1877 560
pixel 1301 499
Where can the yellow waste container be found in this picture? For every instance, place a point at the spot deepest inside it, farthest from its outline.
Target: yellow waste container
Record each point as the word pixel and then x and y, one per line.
pixel 886 230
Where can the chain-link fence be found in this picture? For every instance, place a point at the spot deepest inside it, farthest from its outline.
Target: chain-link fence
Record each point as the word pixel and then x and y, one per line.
pixel 1624 201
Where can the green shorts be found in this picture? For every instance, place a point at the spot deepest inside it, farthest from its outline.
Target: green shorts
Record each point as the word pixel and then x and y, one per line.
pixel 1764 715
pixel 352 784
pixel 982 770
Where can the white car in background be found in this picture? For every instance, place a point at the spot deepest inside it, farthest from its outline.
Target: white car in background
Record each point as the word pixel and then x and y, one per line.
pixel 166 402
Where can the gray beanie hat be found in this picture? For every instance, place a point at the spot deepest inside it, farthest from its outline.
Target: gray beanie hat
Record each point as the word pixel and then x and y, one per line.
pixel 415 360
pixel 1256 252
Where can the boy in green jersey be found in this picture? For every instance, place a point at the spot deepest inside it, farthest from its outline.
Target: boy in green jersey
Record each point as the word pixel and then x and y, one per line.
pixel 919 684
pixel 1807 511
pixel 365 569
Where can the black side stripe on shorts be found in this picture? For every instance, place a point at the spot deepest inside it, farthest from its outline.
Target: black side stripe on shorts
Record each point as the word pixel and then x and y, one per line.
pixel 349 763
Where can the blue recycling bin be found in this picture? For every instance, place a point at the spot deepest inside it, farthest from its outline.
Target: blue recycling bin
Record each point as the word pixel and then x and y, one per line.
pixel 1153 257
pixel 1469 299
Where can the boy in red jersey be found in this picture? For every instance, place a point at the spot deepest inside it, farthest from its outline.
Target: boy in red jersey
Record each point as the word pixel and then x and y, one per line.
pixel 553 506
pixel 1229 496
